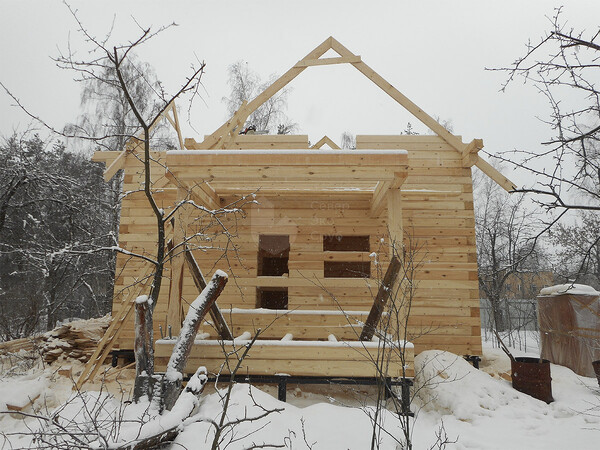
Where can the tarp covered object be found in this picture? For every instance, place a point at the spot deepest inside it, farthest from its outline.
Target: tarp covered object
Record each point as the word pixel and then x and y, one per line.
pixel 569 319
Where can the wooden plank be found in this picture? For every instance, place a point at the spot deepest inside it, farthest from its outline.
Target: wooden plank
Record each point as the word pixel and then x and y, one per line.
pixel 395 204
pixel 105 345
pixel 328 61
pixel 215 313
pixel 176 126
pixel 302 360
pixel 286 158
pixel 379 199
pixel 381 299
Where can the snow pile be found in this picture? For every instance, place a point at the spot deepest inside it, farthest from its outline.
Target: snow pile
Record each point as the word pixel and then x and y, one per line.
pixel 437 376
pixel 18 394
pixel 572 289
pixel 477 410
pixel 487 413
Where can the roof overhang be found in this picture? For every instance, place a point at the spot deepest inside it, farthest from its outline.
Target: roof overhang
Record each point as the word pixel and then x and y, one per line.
pixel 273 172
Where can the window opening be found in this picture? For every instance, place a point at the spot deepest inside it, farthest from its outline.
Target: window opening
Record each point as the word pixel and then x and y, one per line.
pixel 273 255
pixel 346 269
pixel 272 297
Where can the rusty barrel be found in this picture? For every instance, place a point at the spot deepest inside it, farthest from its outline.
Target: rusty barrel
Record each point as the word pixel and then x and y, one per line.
pixel 596 366
pixel 532 377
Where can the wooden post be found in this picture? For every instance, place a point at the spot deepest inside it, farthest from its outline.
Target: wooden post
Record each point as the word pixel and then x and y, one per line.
pixel 174 307
pixel 394 204
pixel 383 294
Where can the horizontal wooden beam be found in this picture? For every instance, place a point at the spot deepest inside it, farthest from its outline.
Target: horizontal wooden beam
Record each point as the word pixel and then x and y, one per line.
pixel 328 61
pixel 257 174
pixel 248 158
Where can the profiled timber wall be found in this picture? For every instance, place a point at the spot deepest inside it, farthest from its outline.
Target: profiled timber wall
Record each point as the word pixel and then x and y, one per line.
pixel 437 212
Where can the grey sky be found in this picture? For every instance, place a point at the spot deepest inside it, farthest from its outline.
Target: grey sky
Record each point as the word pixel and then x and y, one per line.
pixel 434 52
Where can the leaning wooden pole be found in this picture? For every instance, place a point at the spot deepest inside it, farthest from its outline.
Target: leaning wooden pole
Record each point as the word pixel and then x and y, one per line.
pixel 215 312
pixel 181 351
pixel 381 299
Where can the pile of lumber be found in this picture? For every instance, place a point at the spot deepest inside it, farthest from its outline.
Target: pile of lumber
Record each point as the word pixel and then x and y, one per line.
pixel 74 340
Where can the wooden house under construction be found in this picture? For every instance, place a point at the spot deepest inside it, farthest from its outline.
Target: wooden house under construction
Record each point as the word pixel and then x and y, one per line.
pixel 307 255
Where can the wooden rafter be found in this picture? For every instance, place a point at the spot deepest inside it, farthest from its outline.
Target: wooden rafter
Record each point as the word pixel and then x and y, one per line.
pixel 281 82
pixel 222 135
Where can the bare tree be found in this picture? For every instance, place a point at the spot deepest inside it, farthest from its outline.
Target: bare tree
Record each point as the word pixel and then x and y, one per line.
pixel 563 67
pixel 348 140
pixel 507 245
pixel 578 251
pixel 246 84
pixel 50 200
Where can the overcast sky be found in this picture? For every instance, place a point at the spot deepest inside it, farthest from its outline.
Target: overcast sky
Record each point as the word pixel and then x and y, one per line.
pixel 435 52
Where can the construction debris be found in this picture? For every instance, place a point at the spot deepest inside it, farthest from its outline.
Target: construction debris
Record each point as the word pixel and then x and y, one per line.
pixel 74 340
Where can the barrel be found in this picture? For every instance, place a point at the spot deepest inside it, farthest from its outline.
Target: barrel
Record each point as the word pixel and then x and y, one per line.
pixel 596 366
pixel 532 377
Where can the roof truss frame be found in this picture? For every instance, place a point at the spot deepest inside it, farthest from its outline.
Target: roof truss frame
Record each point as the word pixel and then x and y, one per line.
pixel 226 132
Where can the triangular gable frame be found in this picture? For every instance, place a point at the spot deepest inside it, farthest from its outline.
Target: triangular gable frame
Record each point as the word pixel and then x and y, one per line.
pixel 226 132
pixel 326 140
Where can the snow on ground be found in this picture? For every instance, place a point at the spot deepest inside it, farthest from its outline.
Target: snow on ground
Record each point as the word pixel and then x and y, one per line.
pixel 478 409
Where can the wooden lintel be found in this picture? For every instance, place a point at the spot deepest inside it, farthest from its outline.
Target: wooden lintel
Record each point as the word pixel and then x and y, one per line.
pixel 326 140
pixel 491 172
pixel 328 61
